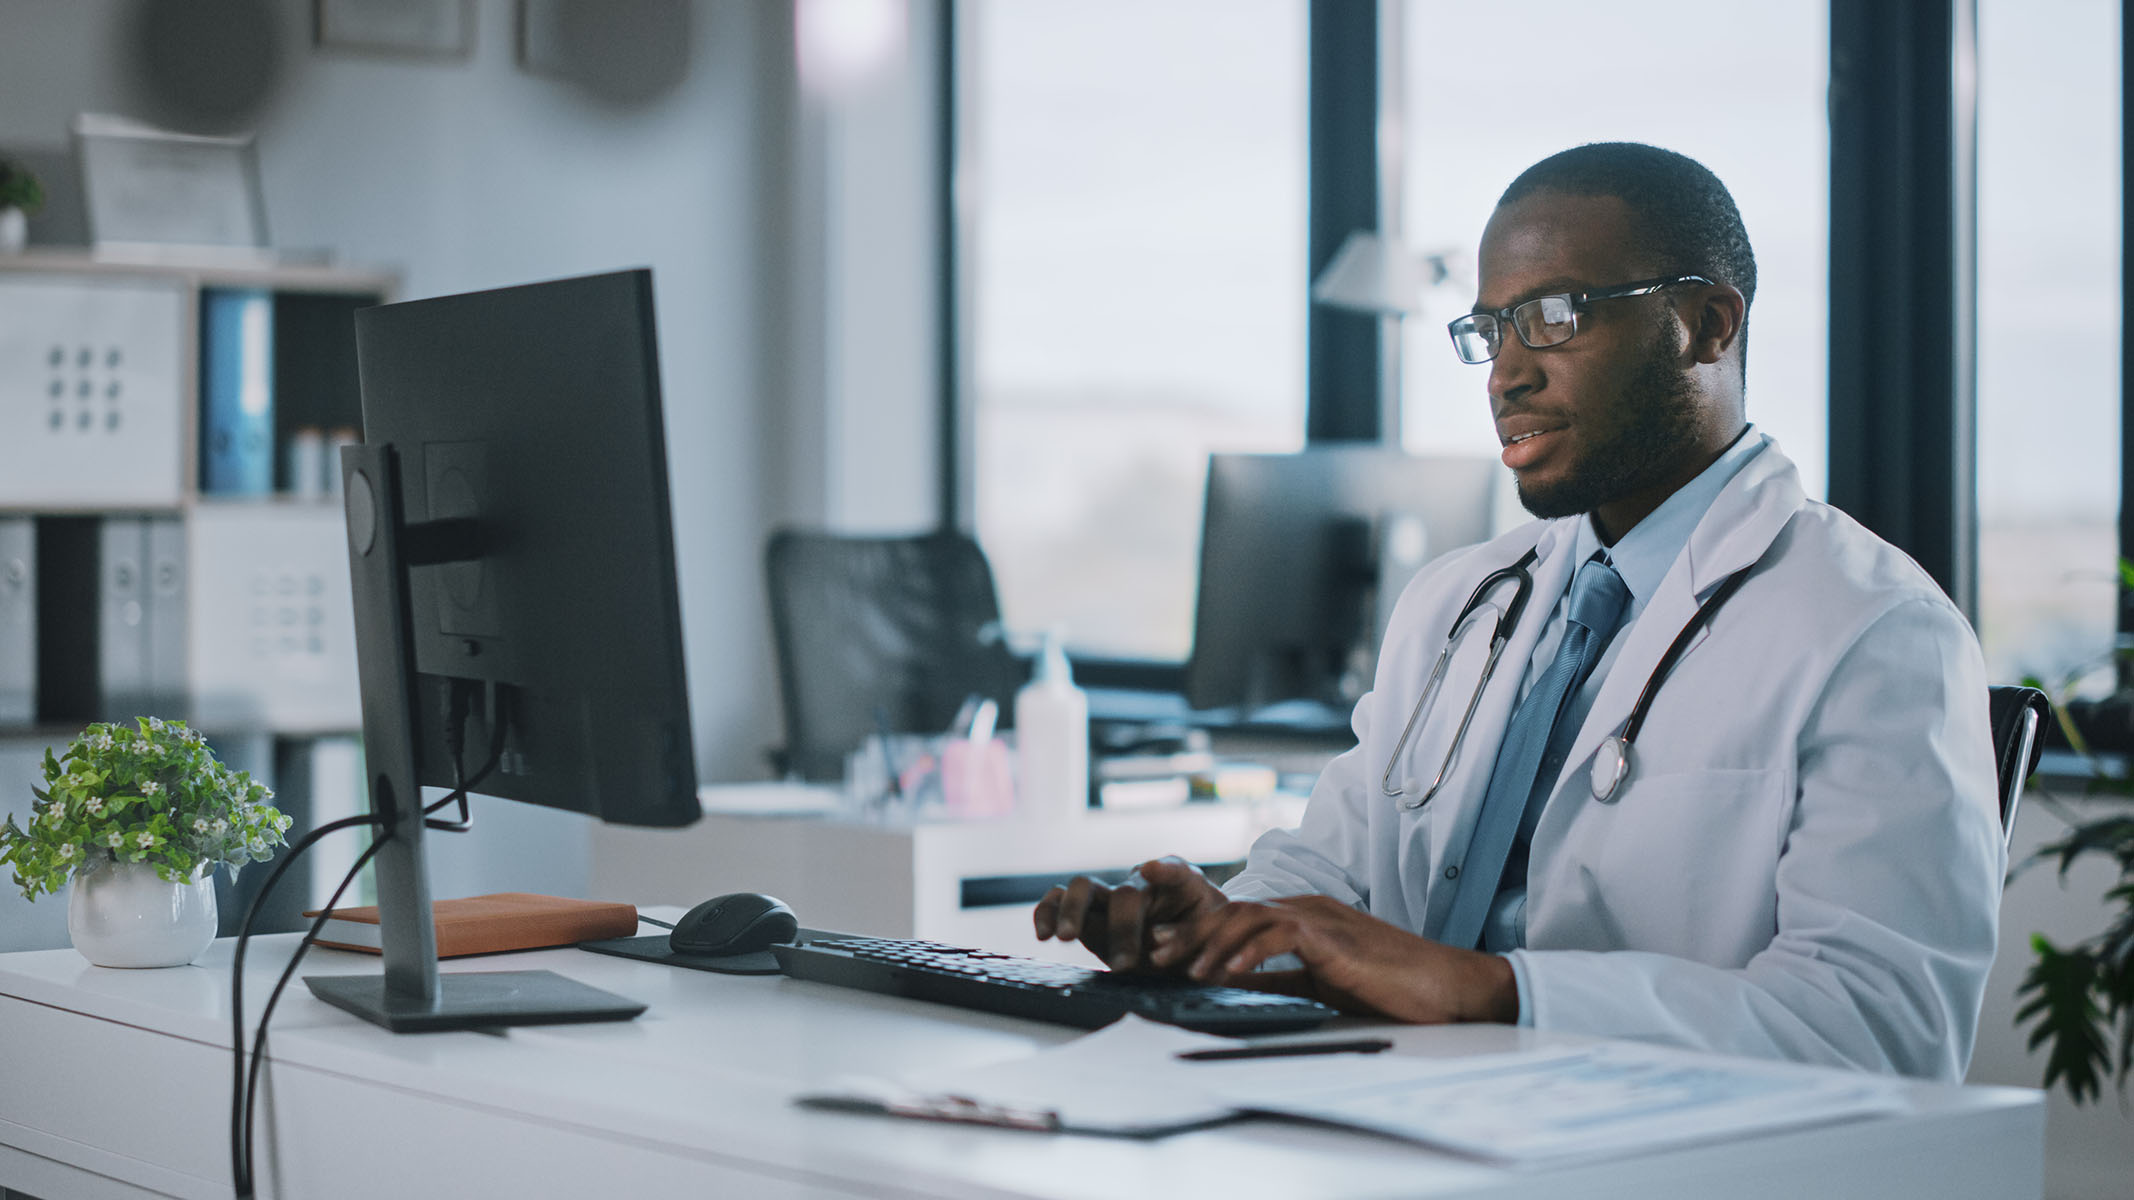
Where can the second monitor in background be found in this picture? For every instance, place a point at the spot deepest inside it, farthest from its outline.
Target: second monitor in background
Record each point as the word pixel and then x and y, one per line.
pixel 1302 556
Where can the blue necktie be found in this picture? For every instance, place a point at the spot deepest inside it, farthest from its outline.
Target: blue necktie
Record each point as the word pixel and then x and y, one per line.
pixel 1596 604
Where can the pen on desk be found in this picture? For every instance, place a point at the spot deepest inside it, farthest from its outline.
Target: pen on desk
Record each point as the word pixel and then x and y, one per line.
pixel 1284 1049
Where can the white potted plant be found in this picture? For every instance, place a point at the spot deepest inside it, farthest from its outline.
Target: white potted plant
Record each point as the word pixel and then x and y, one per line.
pixel 136 817
pixel 20 195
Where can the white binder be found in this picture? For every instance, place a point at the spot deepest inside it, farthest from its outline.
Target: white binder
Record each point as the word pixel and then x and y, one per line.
pixel 165 589
pixel 18 621
pixel 122 619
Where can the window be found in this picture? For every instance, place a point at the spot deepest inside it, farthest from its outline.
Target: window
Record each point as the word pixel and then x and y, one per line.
pixel 2049 475
pixel 1739 88
pixel 1132 183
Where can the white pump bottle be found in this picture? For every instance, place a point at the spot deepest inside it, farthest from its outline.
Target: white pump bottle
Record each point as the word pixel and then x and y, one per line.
pixel 1052 739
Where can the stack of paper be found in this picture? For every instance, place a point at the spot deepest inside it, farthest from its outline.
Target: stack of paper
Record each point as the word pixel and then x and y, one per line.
pixel 1531 1107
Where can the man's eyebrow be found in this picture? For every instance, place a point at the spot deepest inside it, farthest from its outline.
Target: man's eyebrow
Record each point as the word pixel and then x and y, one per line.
pixel 1547 287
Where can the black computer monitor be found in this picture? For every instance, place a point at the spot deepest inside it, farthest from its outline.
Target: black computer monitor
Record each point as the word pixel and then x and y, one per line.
pixel 1301 558
pixel 515 601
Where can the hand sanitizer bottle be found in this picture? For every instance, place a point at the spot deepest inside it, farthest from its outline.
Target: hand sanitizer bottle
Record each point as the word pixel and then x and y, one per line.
pixel 1052 739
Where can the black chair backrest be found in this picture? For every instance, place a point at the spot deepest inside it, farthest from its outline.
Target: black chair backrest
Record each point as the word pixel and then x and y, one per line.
pixel 875 631
pixel 2019 716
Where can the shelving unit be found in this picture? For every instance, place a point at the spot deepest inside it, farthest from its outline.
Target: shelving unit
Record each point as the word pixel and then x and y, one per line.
pixel 127 587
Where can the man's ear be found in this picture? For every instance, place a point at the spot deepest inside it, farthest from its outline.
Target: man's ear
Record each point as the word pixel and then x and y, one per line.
pixel 1714 318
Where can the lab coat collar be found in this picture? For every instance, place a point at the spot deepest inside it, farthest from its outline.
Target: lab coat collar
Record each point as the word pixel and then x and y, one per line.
pixel 1745 519
pixel 1741 524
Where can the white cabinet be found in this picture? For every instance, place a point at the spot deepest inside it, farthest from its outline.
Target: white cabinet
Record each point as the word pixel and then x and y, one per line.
pixel 129 590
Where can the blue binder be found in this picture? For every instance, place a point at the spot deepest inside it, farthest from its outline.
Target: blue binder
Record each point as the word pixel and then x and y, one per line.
pixel 236 391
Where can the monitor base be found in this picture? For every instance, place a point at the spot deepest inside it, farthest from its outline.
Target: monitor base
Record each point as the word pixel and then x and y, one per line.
pixel 474 1000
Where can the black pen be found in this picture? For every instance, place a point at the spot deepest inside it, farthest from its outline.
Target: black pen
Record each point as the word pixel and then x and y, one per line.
pixel 1281 1049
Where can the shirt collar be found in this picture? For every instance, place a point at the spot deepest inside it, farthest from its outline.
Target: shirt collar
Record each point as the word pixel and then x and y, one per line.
pixel 1643 555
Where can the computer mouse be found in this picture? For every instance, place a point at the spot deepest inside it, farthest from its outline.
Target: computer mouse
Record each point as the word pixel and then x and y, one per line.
pixel 740 923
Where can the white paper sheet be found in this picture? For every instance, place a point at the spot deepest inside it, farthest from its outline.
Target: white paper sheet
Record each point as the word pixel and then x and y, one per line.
pixel 1549 1106
pixel 1523 1108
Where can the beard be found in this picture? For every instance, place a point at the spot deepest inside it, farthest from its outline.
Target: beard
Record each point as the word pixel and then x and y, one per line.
pixel 1656 432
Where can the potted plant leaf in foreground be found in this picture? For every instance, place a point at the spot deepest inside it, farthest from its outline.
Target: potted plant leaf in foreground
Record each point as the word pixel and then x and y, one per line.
pixel 136 817
pixel 2079 999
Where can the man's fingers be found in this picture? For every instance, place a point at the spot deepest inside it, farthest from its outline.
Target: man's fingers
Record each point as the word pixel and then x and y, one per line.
pixel 1271 937
pixel 1074 908
pixel 1226 932
pixel 1123 925
pixel 1177 889
pixel 1045 917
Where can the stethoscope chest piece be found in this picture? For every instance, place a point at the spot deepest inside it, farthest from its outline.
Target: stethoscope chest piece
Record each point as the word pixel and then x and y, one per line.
pixel 1611 766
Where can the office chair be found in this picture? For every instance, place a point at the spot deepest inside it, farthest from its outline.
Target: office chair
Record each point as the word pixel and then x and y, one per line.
pixel 2019 715
pixel 880 632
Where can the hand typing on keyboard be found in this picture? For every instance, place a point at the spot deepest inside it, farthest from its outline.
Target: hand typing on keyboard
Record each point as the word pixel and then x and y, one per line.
pixel 1116 923
pixel 1352 960
pixel 1168 919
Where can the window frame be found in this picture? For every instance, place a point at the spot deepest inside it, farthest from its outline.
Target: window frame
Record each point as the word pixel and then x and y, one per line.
pixel 1903 202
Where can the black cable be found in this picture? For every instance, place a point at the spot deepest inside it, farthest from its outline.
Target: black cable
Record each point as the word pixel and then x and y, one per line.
pixel 455 746
pixel 654 921
pixel 244 1083
pixel 259 1040
pixel 240 1161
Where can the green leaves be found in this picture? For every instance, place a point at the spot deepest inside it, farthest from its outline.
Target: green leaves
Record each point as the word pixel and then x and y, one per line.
pixel 150 792
pixel 2067 1017
pixel 2077 999
pixel 19 187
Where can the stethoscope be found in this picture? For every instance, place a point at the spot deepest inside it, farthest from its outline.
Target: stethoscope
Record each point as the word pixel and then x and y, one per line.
pixel 1611 763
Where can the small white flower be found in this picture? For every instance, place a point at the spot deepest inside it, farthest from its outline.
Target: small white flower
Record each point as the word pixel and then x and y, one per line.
pixel 283 821
pixel 114 839
pixel 257 846
pixel 66 851
pixel 101 741
pixel 144 840
pixel 151 788
pixel 95 806
pixel 196 737
pixel 199 824
pixel 156 724
pixel 219 826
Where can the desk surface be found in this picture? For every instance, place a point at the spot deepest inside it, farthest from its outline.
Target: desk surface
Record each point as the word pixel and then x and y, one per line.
pixel 116 1084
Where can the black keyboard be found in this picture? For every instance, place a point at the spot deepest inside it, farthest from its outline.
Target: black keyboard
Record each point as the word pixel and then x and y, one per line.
pixel 1039 990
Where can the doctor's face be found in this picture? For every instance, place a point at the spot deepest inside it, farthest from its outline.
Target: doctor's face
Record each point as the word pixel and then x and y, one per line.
pixel 1610 421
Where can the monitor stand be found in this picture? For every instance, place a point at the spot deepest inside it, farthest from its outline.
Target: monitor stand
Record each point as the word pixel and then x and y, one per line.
pixel 412 996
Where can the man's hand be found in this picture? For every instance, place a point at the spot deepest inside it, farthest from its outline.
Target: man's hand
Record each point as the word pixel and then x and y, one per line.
pixel 1352 961
pixel 1115 923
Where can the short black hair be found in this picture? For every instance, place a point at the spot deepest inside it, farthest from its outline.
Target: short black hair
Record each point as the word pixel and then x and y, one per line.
pixel 1686 216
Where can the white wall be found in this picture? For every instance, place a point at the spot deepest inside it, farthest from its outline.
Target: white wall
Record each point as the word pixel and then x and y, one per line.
pixel 473 174
pixel 790 238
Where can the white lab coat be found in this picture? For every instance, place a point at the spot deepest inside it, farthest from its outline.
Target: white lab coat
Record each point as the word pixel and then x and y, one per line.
pixel 1806 862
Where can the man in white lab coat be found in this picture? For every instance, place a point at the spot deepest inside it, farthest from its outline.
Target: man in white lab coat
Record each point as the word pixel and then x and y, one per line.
pixel 1803 857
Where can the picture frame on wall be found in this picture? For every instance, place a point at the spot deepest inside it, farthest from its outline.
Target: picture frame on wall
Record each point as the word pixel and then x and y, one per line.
pixel 435 29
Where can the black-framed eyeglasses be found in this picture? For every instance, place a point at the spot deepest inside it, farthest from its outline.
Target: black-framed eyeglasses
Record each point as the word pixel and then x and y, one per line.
pixel 1544 320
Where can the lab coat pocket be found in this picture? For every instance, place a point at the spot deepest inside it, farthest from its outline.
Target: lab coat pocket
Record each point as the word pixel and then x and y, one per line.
pixel 1683 863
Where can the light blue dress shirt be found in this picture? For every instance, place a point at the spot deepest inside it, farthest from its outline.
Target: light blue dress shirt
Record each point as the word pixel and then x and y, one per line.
pixel 1642 557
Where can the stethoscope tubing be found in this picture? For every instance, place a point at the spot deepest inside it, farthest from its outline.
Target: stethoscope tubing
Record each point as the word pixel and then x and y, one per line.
pixel 1519 573
pixel 1618 746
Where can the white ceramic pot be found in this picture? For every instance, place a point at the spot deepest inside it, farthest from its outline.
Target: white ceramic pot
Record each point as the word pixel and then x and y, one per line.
pixel 14 231
pixel 123 914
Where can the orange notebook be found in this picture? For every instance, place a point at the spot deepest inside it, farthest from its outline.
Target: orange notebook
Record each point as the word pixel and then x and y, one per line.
pixel 492 924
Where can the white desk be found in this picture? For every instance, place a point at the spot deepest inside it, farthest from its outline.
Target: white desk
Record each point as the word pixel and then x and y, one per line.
pixel 115 1084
